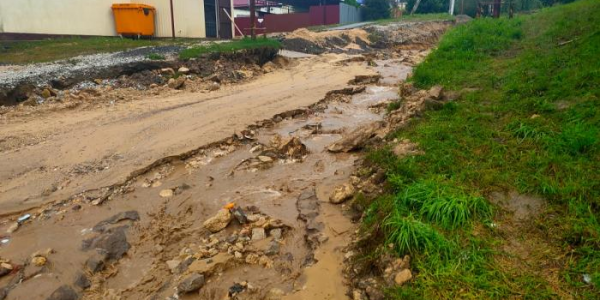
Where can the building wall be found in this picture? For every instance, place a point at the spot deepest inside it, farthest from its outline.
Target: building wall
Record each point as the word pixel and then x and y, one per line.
pixel 349 14
pixel 94 17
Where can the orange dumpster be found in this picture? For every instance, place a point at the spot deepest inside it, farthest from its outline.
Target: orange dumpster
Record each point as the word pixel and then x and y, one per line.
pixel 134 19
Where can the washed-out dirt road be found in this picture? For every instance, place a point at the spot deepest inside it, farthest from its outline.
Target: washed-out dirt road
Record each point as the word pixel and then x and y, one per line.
pixel 79 150
pixel 230 194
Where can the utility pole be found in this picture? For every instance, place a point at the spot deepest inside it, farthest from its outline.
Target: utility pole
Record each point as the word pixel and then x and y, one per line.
pixel 415 7
pixel 451 12
pixel 253 19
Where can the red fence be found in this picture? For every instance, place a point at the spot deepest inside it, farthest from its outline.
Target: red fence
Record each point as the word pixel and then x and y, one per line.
pixel 317 15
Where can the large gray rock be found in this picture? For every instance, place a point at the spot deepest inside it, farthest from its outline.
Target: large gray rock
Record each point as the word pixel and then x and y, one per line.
pixel 190 284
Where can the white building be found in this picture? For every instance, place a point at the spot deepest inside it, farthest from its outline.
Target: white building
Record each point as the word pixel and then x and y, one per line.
pixel 191 18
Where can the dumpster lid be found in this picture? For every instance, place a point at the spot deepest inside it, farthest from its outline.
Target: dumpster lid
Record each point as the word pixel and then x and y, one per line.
pixel 131 6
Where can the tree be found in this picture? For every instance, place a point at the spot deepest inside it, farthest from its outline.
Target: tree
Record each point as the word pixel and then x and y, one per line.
pixel 377 9
pixel 429 6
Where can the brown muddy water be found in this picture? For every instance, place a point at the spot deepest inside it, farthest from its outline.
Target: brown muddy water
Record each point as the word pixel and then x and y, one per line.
pixel 287 194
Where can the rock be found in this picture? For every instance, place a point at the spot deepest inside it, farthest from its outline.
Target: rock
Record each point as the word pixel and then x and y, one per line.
pixel 269 67
pixel 167 71
pixel 244 74
pixel 46 94
pixel 167 193
pixel 273 248
pixel 39 261
pixel 252 259
pixel 125 215
pixel 177 83
pixel 96 262
pixel 173 265
pixel 190 284
pixel 13 227
pixel 342 193
pixel 265 159
pixel 81 281
pixel 113 242
pixel 406 148
pixel 265 262
pixel 253 218
pixel 64 292
pixel 5 268
pixel 274 294
pixel 258 234
pixel 358 295
pixel 276 233
pixel 183 70
pixel 98 81
pixel 355 139
pixel 213 86
pixel 402 277
pixel 436 92
pixel 219 221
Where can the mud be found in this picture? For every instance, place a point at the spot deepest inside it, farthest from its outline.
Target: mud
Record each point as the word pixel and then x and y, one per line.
pixel 106 232
pixel 139 74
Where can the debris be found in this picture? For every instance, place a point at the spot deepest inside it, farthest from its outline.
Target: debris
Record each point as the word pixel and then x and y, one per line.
pixel 23 218
pixel 192 283
pixel 342 193
pixel 167 193
pixel 219 221
pixel 406 148
pixel 236 288
pixel 355 139
pixel 587 278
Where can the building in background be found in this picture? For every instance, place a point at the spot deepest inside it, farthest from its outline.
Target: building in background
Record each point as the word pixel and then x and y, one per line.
pixel 184 18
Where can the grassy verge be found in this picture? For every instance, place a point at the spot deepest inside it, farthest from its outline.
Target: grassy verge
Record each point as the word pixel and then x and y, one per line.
pixel 417 17
pixel 528 122
pixel 229 47
pixel 22 52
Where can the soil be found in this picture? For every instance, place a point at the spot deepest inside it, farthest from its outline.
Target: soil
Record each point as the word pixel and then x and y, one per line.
pixel 118 184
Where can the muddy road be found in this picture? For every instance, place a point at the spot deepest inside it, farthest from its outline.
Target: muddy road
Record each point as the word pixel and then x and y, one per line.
pixel 69 152
pixel 226 194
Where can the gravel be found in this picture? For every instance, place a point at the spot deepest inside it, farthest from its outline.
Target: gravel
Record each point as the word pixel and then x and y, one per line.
pixel 41 73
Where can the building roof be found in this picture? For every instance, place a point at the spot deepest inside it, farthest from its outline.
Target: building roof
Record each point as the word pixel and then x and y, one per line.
pixel 259 3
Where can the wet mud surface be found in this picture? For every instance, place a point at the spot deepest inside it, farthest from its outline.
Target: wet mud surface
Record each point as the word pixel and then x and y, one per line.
pixel 246 217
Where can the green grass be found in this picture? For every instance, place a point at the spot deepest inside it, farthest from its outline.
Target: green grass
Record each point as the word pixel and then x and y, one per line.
pixel 528 121
pixel 417 18
pixel 155 56
pixel 22 52
pixel 229 47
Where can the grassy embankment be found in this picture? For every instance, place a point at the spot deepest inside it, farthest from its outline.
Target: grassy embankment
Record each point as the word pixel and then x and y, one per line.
pixel 528 122
pixel 229 47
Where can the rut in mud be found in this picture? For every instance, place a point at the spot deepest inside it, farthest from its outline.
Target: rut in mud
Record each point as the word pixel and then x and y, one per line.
pixel 164 233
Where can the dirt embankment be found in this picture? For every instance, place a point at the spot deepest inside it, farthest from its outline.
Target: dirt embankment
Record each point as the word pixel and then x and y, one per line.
pixel 183 194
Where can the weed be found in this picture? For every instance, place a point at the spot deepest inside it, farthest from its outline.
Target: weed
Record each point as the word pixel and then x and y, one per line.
pixel 155 56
